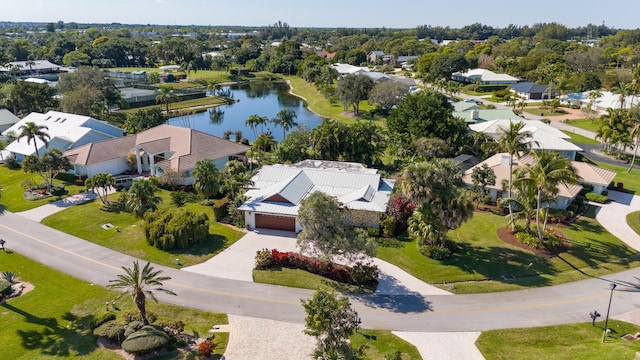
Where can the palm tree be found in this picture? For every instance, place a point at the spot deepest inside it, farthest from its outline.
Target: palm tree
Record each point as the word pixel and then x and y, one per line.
pixel 138 283
pixel 141 197
pixel 593 96
pixel 634 119
pixel 513 141
pixel 207 178
pixel 253 121
pixel 523 201
pixel 32 132
pixel 548 170
pixel 30 64
pixel 165 96
pixel 210 84
pixel 623 90
pixel 101 181
pixel 234 178
pixel 286 120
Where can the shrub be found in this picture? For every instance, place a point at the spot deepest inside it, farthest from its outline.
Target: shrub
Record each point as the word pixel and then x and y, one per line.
pixel 501 93
pixel 145 340
pixel 573 208
pixel 132 327
pixel 173 327
pixel 373 232
pixel 221 209
pixel 435 251
pixel 393 355
pixel 175 229
pixel 601 199
pixel 12 164
pixel 586 188
pixel 388 224
pixel 112 330
pixel 490 88
pixel 5 287
pixel 364 274
pixel 208 202
pixel 101 318
pixel 205 349
pixel 552 240
pixel 130 316
pixel 179 198
pixel 9 276
pixel 264 259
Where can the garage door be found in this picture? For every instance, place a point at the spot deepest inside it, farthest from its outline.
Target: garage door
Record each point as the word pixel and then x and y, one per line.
pixel 275 222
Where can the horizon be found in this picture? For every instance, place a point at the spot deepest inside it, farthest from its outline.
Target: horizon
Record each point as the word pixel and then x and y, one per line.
pixel 329 14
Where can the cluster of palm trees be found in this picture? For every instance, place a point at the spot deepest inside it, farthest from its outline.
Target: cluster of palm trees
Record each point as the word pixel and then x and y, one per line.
pixel 619 129
pixel 536 183
pixel 285 118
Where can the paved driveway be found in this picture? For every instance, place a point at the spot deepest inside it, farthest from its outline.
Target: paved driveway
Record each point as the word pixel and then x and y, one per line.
pixel 237 261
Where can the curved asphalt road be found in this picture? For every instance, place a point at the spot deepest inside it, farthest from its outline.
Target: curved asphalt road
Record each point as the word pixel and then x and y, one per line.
pixel 535 307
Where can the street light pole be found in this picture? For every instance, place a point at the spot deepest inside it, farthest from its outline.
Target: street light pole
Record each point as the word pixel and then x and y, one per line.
pixel 606 321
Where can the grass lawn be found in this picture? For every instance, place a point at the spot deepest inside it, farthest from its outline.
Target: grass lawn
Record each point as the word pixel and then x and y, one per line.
pixel 52 320
pixel 579 139
pixel 587 124
pixel 12 192
pixel 630 180
pixel 130 239
pixel 220 76
pixel 208 101
pixel 573 341
pixel 545 112
pixel 633 219
pixel 378 342
pixel 305 280
pixel 321 105
pixel 482 258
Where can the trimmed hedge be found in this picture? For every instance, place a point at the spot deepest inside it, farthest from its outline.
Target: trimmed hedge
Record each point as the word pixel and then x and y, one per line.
pixel 112 330
pixel 101 318
pixel 360 274
pixel 601 199
pixel 145 340
pixel 175 228
pixel 490 88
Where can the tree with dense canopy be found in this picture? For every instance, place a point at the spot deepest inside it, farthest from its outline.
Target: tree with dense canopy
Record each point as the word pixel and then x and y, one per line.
pixel 138 283
pixel 388 94
pixel 331 320
pixel 48 166
pixel 352 89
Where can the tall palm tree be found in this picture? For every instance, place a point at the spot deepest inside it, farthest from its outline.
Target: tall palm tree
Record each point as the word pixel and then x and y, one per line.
pixel 548 170
pixel 253 121
pixel 30 64
pixel 141 197
pixel 623 90
pixel 32 132
pixel 165 96
pixel 634 122
pixel 138 284
pixel 286 120
pixel 207 178
pixel 101 181
pixel 514 141
pixel 210 84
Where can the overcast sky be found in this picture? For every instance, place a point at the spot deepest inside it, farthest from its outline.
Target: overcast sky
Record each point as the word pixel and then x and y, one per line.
pixel 328 13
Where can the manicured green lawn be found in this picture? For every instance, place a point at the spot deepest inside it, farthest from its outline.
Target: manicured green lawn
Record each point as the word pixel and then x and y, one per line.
pixel 633 219
pixel 587 124
pixel 630 180
pixel 321 105
pixel 84 221
pixel 379 342
pixel 545 112
pixel 305 280
pixel 12 191
pixel 573 341
pixel 482 258
pixel 208 101
pixel 52 320
pixel 579 139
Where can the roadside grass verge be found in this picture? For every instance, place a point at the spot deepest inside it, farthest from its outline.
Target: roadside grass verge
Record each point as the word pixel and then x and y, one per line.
pixel 572 341
pixel 482 259
pixel 586 124
pixel 545 112
pixel 305 280
pixel 13 193
pixel 378 342
pixel 52 320
pixel 579 139
pixel 633 219
pixel 85 221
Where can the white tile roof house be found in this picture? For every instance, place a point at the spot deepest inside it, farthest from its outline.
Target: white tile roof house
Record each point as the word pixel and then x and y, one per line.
pixel 277 190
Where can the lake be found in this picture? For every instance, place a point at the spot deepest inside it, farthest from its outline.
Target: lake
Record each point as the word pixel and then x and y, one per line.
pixel 261 98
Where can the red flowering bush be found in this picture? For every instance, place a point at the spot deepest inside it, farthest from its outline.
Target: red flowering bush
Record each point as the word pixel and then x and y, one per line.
pixel 205 349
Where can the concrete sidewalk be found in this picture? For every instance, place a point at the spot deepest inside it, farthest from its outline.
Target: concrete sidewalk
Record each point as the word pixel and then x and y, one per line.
pixel 444 346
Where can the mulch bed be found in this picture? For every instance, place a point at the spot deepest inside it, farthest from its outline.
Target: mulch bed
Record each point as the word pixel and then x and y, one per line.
pixel 505 234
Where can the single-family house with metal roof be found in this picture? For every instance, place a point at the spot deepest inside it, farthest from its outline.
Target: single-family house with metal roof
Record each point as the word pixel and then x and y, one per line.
pixel 484 77
pixel 277 190
pixel 543 136
pixel 475 115
pixel 156 151
pixel 7 119
pixel 531 91
pixel 66 131
pixel 34 67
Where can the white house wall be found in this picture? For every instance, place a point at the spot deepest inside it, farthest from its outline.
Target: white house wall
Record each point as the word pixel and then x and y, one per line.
pixel 113 167
pixel 250 219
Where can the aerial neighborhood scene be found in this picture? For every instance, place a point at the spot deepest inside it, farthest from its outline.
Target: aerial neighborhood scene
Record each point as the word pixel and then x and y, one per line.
pixel 340 180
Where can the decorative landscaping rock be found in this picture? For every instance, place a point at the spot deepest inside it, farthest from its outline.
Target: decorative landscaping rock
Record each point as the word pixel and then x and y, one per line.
pixel 145 340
